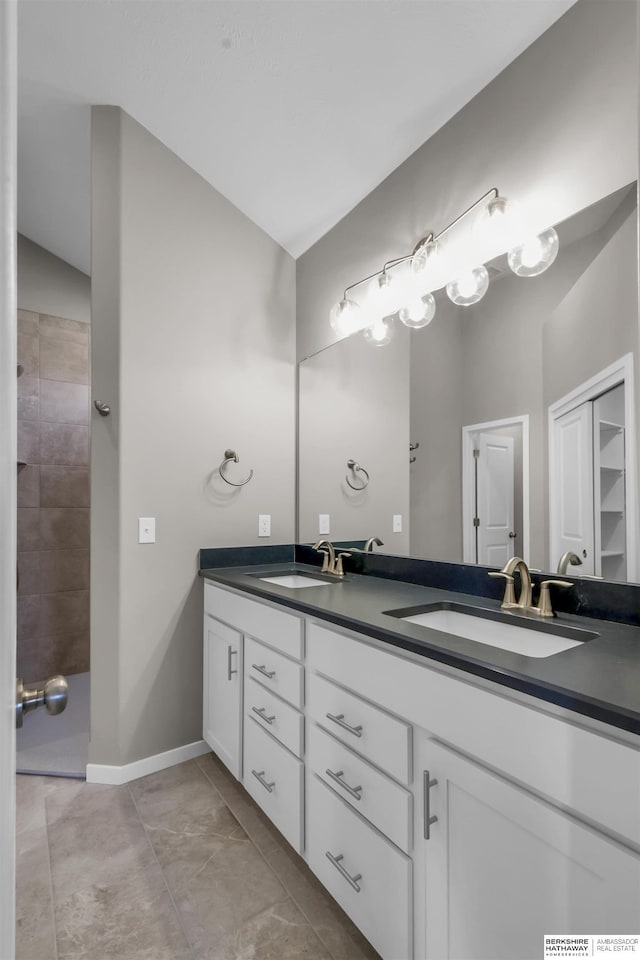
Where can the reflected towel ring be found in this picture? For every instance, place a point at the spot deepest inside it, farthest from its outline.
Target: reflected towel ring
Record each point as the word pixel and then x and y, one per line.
pixel 352 465
pixel 230 456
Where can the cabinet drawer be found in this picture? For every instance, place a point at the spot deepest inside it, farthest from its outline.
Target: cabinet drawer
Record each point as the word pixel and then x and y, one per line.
pixel 378 736
pixel 280 719
pixel 274 778
pixel 387 805
pixel 276 627
pixel 274 672
pixel 377 896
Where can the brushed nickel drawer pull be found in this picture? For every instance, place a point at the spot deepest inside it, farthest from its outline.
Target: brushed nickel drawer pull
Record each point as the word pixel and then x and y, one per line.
pixel 352 881
pixel 259 775
pixel 230 653
pixel 428 819
pixel 337 777
pixel 261 668
pixel 339 719
pixel 262 713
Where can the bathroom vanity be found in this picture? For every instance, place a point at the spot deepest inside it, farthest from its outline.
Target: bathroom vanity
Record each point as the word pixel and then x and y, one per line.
pixel 456 799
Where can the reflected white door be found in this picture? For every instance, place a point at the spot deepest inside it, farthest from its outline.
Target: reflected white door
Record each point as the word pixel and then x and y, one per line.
pixel 495 503
pixel 571 487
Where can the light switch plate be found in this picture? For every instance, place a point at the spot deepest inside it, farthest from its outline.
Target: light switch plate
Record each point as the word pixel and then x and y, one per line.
pixel 146 529
pixel 397 523
pixel 264 524
pixel 324 523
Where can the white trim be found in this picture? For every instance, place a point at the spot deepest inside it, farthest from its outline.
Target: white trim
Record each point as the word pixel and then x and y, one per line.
pixel 468 553
pixel 621 371
pixel 8 456
pixel 117 775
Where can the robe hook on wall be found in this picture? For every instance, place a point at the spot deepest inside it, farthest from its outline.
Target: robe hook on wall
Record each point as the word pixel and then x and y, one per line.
pixel 413 446
pixel 230 456
pixel 103 408
pixel 353 465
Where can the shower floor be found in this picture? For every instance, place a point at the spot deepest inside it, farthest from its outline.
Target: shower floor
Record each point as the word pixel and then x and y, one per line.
pixel 57 745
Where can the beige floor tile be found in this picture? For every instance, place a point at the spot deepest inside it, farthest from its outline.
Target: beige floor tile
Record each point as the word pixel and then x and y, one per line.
pixel 35 930
pixel 340 936
pixel 248 813
pixel 279 933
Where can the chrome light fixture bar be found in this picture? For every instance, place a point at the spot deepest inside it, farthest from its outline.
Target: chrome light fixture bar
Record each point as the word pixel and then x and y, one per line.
pixel 404 287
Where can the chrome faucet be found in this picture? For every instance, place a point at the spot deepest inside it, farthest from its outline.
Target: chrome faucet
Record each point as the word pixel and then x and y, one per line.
pixel 368 547
pixel 331 563
pixel 568 558
pixel 524 602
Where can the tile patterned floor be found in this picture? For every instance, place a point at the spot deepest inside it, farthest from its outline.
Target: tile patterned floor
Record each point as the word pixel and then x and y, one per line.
pixel 179 865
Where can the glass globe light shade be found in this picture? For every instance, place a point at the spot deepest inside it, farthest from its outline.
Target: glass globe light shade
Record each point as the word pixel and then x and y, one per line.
pixel 419 312
pixel 535 255
pixel 469 287
pixel 346 317
pixel 380 333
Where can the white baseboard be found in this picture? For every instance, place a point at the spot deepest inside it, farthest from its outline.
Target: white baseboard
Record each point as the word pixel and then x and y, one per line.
pixel 116 775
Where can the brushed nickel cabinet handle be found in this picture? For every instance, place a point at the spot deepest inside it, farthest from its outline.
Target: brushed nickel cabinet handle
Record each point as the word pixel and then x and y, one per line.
pixel 262 713
pixel 230 653
pixel 337 778
pixel 339 719
pixel 261 668
pixel 352 881
pixel 428 819
pixel 259 775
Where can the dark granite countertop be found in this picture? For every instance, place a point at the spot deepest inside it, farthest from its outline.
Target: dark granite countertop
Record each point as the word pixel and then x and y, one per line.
pixel 599 679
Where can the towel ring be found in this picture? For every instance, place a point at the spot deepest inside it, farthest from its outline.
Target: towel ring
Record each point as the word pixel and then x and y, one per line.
pixel 230 456
pixel 352 465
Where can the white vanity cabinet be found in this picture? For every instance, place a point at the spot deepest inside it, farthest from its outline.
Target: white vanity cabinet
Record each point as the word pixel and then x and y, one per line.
pixel 449 817
pixel 222 701
pixel 502 868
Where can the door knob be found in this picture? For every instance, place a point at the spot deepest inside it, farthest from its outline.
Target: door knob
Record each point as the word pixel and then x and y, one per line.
pixel 52 694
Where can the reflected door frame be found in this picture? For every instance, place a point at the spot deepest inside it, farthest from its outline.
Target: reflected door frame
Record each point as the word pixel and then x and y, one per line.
pixel 468 483
pixel 621 371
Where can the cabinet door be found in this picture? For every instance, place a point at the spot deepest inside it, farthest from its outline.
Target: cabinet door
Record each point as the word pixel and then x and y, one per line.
pixel 502 868
pixel 222 713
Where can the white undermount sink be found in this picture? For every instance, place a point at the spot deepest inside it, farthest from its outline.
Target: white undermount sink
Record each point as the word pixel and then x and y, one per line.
pixel 528 638
pixel 294 580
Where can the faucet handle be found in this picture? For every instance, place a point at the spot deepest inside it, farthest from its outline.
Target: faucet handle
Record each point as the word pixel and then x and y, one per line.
pixel 339 570
pixel 509 599
pixel 544 605
pixel 325 559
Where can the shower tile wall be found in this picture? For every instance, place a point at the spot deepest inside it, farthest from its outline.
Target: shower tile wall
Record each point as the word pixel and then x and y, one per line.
pixel 53 496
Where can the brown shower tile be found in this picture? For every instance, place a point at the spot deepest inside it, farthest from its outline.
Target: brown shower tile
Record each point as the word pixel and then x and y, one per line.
pixel 64 402
pixel 64 360
pixel 28 528
pixel 29 355
pixel 28 323
pixel 41 657
pixel 63 570
pixel 66 612
pixel 28 398
pixel 64 486
pixel 64 527
pixel 28 617
pixel 29 441
pixel 29 486
pixel 29 570
pixel 63 443
pixel 62 329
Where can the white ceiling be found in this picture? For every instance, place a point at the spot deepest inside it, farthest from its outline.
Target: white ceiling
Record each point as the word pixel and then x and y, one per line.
pixel 293 109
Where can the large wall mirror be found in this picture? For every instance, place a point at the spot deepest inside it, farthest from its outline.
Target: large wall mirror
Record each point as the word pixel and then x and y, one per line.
pixel 538 377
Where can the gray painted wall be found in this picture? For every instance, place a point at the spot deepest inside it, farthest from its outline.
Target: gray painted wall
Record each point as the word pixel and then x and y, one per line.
pixel 531 132
pixel 47 284
pixel 354 404
pixel 194 348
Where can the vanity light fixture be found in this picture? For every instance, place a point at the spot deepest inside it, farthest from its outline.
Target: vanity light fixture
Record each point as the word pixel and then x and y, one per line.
pixel 405 286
